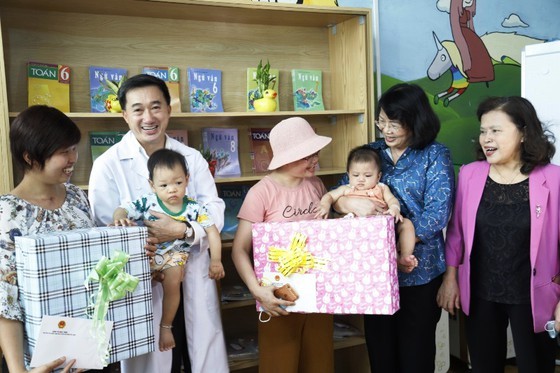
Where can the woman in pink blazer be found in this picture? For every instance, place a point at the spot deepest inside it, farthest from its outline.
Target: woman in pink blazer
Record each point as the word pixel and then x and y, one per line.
pixel 502 246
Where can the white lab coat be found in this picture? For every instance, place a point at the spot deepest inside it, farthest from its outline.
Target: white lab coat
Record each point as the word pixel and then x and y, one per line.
pixel 121 174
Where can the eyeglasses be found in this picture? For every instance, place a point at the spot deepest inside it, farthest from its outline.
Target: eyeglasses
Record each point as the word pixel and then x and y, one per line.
pixel 312 157
pixel 392 125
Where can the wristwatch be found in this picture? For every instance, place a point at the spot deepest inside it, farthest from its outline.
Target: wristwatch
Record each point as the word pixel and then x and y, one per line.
pixel 189 232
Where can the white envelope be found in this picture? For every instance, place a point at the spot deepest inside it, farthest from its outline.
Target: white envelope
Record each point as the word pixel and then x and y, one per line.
pixel 71 337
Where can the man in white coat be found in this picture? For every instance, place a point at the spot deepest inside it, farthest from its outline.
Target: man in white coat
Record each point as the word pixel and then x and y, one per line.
pixel 121 174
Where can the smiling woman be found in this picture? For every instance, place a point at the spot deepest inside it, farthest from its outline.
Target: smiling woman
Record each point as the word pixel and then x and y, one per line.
pixel 419 173
pixel 502 241
pixel 43 145
pixel 291 192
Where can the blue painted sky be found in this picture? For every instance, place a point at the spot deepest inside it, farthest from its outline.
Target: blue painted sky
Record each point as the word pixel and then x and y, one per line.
pixel 406 28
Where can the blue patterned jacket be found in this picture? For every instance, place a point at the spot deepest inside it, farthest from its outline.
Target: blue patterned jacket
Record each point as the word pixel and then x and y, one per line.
pixel 424 183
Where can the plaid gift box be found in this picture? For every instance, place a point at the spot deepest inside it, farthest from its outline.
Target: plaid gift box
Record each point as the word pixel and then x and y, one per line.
pixel 348 266
pixel 52 269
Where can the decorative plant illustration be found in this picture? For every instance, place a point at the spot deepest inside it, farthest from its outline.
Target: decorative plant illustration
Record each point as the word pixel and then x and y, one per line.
pixel 307 99
pixel 202 99
pixel 265 81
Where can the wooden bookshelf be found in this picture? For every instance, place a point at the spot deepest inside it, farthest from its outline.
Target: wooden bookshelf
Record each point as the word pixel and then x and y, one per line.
pixel 225 35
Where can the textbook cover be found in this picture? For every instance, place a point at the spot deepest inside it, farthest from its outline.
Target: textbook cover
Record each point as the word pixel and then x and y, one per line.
pixel 48 84
pixel 179 135
pixel 104 83
pixel 233 196
pixel 261 152
pixel 170 75
pixel 223 146
pixel 307 89
pixel 100 141
pixel 205 90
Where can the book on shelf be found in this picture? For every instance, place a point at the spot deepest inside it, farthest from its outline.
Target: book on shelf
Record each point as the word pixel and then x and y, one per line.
pixel 233 196
pixel 252 91
pixel 48 84
pixel 100 141
pixel 205 90
pixel 242 348
pixel 103 86
pixel 261 152
pixel 179 135
pixel 223 144
pixel 234 293
pixel 170 75
pixel 307 90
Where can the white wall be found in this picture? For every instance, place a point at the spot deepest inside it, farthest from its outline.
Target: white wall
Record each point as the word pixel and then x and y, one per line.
pixel 540 84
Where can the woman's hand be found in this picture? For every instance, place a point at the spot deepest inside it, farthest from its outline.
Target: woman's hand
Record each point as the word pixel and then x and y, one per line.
pixel 270 304
pixel 557 317
pixel 123 223
pixel 165 228
pixel 448 294
pixel 49 367
pixel 358 206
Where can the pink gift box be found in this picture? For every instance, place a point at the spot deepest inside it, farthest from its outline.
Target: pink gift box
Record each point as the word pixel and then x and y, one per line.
pixel 356 271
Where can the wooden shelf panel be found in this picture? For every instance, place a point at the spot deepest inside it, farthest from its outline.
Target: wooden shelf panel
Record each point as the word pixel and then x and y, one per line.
pixel 203 10
pixel 238 304
pixel 248 177
pixel 214 116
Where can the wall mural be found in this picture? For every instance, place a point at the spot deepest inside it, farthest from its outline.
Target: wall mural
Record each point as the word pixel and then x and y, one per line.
pixel 460 52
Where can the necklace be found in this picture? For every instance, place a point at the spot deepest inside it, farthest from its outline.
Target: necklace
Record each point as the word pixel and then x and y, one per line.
pixel 504 179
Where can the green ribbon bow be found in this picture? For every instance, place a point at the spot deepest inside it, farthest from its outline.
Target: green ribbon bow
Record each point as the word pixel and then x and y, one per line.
pixel 113 285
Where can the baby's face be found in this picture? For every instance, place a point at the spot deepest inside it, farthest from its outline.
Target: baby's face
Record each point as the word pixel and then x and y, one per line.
pixel 363 175
pixel 170 184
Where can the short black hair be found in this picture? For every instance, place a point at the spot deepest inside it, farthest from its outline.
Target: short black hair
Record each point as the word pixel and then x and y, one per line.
pixel 166 158
pixel 537 147
pixel 408 104
pixel 140 81
pixel 363 153
pixel 38 132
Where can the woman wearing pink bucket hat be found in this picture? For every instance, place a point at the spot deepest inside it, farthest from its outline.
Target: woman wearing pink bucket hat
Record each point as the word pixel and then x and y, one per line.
pixel 291 192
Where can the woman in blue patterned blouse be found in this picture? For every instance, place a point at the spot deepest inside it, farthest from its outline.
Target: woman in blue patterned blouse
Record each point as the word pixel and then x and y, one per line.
pixel 420 174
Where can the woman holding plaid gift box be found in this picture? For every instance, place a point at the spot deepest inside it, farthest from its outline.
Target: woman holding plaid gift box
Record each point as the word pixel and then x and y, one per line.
pixel 502 245
pixel 288 343
pixel 43 144
pixel 420 174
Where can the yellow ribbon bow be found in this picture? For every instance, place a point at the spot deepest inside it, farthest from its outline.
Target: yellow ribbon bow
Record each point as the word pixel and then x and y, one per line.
pixel 295 258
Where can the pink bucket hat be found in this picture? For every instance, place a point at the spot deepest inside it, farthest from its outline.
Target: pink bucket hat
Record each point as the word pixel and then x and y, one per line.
pixel 293 139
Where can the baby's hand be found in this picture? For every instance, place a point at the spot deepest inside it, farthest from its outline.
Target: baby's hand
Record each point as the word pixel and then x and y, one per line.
pixel 396 213
pixel 323 212
pixel 124 223
pixel 216 270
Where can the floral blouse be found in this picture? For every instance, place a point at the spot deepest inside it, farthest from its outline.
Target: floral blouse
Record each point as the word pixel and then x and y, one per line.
pixel 21 218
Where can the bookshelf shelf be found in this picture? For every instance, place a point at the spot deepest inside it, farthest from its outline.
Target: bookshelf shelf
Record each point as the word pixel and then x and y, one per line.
pixel 238 304
pixel 213 116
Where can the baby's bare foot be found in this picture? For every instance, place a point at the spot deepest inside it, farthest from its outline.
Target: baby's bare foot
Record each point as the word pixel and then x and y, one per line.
pixel 166 340
pixel 407 263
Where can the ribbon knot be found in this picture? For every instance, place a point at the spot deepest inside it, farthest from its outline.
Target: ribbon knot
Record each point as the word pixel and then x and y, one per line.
pixel 113 285
pixel 296 258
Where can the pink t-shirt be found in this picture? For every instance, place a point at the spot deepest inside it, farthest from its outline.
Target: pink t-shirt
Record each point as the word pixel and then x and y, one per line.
pixel 268 201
